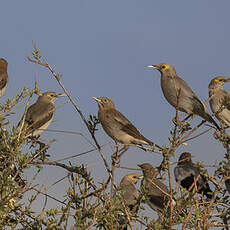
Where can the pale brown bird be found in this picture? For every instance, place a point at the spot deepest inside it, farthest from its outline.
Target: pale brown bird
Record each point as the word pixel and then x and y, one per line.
pixel 39 115
pixel 179 94
pixel 117 126
pixel 3 76
pixel 157 193
pixel 220 99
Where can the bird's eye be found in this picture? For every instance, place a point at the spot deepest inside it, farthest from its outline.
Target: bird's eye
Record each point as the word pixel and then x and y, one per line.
pixel 105 100
pixel 163 66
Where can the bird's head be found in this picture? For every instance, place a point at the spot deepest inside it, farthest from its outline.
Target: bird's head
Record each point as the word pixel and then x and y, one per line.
pixel 163 68
pixel 51 96
pixel 185 158
pixel 147 170
pixel 3 65
pixel 218 82
pixel 131 178
pixel 104 102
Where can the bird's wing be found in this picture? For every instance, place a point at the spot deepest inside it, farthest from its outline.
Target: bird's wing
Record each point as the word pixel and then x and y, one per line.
pixel 156 187
pixel 37 115
pixel 130 194
pixel 156 201
pixel 127 126
pixel 3 80
pixel 177 174
pixel 196 172
pixel 155 193
pixel 186 91
pixel 185 170
pixel 226 100
pixel 184 87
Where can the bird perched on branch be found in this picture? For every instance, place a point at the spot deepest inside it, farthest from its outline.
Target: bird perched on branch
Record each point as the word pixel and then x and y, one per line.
pixel 157 193
pixel 220 99
pixel 117 126
pixel 130 195
pixel 179 94
pixel 186 172
pixel 39 115
pixel 3 76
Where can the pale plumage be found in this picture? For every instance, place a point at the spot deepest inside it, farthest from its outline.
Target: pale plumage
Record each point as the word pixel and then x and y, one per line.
pixel 220 99
pixel 3 76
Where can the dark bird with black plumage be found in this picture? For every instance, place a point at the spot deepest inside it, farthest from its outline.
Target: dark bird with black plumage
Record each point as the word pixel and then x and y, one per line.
pixel 186 172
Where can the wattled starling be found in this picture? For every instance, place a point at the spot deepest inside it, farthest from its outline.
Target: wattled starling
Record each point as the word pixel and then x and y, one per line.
pixel 130 194
pixel 186 172
pixel 39 115
pixel 220 99
pixel 3 76
pixel 179 94
pixel 117 126
pixel 157 193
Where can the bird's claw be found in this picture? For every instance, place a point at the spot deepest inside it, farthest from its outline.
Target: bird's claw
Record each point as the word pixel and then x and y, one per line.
pixel 177 122
pixel 115 159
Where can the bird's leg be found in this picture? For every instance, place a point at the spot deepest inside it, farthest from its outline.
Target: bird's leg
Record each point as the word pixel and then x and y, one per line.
pixel 34 140
pixel 114 156
pixel 176 120
pixel 117 150
pixel 186 118
pixel 123 150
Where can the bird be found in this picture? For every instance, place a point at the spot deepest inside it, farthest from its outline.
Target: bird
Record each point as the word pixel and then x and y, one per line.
pixel 186 172
pixel 158 196
pixel 130 194
pixel 220 99
pixel 3 76
pixel 180 95
pixel 117 126
pixel 39 115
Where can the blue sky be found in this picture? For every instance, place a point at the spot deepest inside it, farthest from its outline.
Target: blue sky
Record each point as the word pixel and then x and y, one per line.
pixel 102 48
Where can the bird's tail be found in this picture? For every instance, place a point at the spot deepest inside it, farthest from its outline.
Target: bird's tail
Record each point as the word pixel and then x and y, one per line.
pixel 209 118
pixel 152 143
